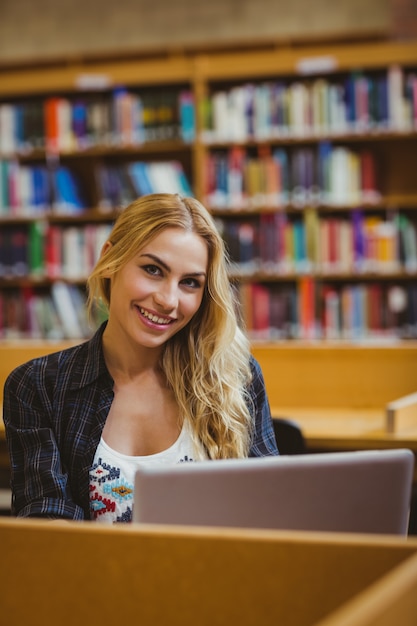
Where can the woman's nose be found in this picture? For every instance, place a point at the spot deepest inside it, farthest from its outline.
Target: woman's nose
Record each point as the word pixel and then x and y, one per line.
pixel 166 297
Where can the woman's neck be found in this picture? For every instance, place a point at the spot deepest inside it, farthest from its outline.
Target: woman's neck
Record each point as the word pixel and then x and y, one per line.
pixel 127 361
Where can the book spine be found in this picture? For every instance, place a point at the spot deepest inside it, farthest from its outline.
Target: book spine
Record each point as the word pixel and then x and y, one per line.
pixel 187 116
pixel 66 311
pixel 36 253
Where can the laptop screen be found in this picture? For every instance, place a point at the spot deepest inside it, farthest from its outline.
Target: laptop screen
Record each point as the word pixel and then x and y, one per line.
pixel 364 491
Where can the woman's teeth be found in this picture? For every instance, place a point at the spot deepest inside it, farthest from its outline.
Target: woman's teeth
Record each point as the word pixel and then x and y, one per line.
pixel 154 318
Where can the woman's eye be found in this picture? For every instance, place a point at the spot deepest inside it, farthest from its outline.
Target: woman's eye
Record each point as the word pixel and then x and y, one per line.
pixel 192 282
pixel 153 270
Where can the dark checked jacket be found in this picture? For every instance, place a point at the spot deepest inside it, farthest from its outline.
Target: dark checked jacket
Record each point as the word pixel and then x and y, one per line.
pixel 55 408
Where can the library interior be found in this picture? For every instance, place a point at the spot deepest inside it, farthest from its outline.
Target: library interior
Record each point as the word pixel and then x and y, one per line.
pixel 295 125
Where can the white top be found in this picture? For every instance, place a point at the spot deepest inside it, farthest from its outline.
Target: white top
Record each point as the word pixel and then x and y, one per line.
pixel 112 477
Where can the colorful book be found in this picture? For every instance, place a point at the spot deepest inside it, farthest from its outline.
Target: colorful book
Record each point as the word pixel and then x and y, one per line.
pixel 67 191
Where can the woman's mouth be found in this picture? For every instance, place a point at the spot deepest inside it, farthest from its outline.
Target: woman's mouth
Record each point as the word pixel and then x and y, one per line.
pixel 155 319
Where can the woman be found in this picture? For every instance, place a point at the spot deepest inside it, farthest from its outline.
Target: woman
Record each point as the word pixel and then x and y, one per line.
pixel 167 379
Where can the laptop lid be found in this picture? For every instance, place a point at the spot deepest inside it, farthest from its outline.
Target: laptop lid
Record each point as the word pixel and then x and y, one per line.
pixel 365 492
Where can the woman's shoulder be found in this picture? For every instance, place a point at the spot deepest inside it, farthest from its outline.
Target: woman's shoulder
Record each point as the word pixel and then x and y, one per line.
pixel 45 365
pixel 64 362
pixel 255 367
pixel 257 384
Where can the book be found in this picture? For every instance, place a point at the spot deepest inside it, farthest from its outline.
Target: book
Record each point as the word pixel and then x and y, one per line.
pixel 248 252
pixel 36 248
pixel 261 127
pixel 268 242
pixel 307 309
pixel 53 248
pixel 407 233
pixel 299 98
pixel 236 192
pixel 368 177
pixel 158 177
pixel 125 188
pixel 187 120
pixel 272 178
pixel 300 261
pixel 18 251
pixel 8 139
pixel 331 323
pixel 221 116
pixel 375 310
pixel 78 299
pixel 73 262
pixel 303 180
pixel 67 196
pixel 182 180
pixel 41 190
pixel 281 159
pixel 260 311
pixel 281 317
pixel 312 238
pixel 4 187
pixel 66 311
pixel 79 125
pixel 358 240
pixel 244 293
pixel 51 124
pixel 395 87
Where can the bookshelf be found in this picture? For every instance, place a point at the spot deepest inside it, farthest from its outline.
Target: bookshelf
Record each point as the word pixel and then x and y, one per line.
pixel 326 255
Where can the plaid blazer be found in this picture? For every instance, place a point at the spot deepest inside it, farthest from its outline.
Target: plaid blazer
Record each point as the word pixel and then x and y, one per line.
pixel 54 410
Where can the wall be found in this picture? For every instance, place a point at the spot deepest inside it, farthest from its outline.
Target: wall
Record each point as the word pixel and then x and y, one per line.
pixel 31 29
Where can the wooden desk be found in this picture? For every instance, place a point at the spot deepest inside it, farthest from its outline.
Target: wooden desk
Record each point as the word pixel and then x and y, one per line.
pixel 338 430
pixel 347 429
pixel 72 572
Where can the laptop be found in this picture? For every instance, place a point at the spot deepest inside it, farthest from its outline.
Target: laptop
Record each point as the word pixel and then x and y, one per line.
pixel 359 492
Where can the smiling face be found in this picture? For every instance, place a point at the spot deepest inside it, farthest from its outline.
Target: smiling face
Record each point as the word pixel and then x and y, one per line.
pixel 156 294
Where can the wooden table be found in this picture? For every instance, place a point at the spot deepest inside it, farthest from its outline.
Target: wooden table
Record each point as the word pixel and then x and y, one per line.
pixel 347 429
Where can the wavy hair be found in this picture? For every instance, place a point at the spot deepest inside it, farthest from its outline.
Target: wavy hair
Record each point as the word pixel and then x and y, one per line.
pixel 206 363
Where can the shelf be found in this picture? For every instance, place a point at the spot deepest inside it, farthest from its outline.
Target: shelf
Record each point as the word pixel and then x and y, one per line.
pixel 87 215
pixel 388 202
pixel 377 135
pixel 265 276
pixel 16 282
pixel 380 154
pixel 307 61
pixel 99 76
pixel 105 150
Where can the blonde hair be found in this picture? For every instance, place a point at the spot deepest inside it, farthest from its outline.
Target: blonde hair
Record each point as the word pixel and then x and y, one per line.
pixel 206 363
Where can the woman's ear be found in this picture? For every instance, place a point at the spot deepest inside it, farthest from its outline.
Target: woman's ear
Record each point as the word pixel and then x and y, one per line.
pixel 106 247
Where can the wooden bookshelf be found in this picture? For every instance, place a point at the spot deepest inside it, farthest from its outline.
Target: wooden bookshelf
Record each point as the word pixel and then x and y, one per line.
pixel 203 72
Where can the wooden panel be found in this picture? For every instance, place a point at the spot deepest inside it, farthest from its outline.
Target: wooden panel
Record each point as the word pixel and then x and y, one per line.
pixel 73 572
pixel 401 414
pixel 73 76
pixel 290 60
pixel 209 66
pixel 334 375
pixel 14 354
pixel 300 375
pixel 391 601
